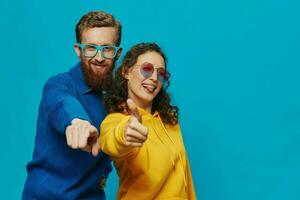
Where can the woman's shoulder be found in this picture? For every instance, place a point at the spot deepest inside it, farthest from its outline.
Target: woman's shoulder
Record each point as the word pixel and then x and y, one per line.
pixel 173 126
pixel 113 120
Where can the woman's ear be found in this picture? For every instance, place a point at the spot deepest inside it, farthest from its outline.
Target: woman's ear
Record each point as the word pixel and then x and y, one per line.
pixel 125 73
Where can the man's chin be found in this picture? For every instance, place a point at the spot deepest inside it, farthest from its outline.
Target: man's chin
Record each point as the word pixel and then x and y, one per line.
pixel 99 70
pixel 99 81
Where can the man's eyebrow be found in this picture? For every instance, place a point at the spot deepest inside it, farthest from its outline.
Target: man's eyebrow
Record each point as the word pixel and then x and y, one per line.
pixel 100 45
pixel 91 43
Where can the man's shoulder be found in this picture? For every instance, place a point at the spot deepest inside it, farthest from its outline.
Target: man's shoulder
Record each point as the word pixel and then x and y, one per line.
pixel 64 77
pixel 61 77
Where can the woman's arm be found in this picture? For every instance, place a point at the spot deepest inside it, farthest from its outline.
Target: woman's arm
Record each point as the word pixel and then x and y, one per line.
pixel 112 137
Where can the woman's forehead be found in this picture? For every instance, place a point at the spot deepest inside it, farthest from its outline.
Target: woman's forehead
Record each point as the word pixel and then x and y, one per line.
pixel 151 57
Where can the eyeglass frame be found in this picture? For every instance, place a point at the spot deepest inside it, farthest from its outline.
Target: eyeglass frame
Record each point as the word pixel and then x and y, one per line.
pixel 99 48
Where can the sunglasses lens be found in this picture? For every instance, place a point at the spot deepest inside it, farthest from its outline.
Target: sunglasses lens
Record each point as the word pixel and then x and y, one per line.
pixel 163 75
pixel 147 70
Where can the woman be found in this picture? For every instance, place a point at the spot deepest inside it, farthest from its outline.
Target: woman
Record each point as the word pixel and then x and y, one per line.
pixel 142 135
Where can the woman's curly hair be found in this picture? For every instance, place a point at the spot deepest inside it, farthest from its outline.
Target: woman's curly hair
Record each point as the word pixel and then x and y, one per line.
pixel 115 98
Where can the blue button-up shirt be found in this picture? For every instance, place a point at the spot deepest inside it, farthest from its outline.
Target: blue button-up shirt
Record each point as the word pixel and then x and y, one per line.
pixel 56 170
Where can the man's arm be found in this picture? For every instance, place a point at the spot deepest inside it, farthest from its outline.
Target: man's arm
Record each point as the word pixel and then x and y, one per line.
pixel 66 115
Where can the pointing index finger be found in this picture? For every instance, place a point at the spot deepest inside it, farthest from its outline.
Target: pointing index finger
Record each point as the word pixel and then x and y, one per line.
pixel 134 110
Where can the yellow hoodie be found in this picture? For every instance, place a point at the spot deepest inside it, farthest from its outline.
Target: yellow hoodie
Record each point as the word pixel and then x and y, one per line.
pixel 157 170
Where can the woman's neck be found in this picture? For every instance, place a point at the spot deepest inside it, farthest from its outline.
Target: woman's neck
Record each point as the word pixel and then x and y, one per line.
pixel 143 105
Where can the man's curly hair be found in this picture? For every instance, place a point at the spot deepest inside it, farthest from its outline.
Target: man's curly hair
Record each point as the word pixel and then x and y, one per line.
pixel 115 98
pixel 98 19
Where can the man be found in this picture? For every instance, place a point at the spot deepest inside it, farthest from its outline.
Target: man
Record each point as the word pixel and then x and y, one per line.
pixel 70 113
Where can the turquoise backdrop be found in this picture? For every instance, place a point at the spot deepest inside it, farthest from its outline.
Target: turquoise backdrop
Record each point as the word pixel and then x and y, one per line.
pixel 235 76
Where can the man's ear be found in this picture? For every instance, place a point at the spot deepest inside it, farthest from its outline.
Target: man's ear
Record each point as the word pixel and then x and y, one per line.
pixel 77 50
pixel 119 53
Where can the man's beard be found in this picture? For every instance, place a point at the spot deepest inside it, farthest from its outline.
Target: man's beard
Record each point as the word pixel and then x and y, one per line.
pixel 98 82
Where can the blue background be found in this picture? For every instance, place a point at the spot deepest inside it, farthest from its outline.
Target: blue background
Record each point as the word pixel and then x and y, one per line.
pixel 235 76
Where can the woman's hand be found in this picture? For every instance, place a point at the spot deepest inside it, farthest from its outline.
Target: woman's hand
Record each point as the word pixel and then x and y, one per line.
pixel 135 132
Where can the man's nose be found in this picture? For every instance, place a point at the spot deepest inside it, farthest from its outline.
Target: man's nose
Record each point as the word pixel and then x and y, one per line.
pixel 99 57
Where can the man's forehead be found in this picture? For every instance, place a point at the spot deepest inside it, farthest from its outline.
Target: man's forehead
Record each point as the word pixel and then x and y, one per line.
pixel 99 35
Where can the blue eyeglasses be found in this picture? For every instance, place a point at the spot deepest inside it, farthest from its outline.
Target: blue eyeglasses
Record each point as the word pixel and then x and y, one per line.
pixel 90 50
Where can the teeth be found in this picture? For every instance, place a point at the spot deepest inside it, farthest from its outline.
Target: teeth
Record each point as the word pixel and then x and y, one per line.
pixel 147 85
pixel 150 88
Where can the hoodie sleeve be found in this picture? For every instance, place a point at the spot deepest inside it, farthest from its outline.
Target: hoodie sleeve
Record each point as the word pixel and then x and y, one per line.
pixel 112 137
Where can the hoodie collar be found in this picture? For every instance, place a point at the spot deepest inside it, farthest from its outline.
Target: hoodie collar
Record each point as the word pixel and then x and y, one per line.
pixel 147 115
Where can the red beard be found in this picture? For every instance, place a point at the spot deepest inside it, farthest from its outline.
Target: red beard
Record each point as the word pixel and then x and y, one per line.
pixel 97 81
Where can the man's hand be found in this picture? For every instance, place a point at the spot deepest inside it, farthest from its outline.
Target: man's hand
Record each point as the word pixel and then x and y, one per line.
pixel 81 134
pixel 135 133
